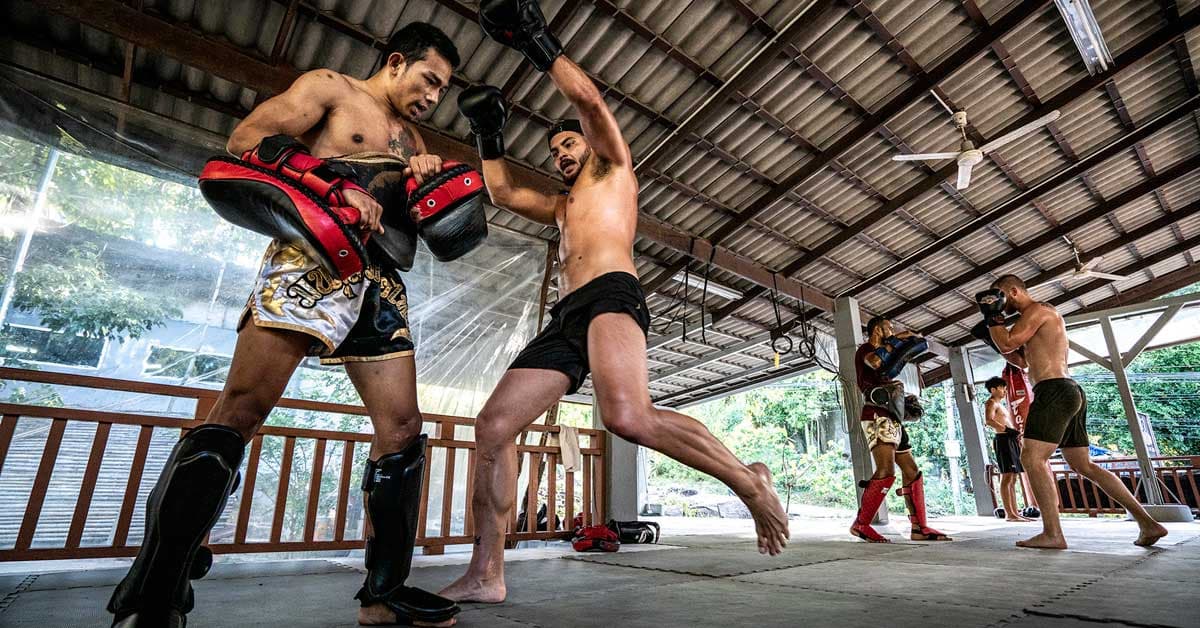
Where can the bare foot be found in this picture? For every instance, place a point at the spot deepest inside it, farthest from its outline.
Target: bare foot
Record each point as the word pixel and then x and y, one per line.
pixel 381 615
pixel 1018 519
pixel 1150 536
pixel 1044 541
pixel 770 521
pixel 471 589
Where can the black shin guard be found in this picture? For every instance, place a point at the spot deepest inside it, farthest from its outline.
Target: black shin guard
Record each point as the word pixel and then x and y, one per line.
pixel 185 504
pixel 393 487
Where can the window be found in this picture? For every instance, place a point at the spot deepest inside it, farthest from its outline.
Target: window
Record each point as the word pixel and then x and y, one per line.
pixel 185 364
pixel 38 344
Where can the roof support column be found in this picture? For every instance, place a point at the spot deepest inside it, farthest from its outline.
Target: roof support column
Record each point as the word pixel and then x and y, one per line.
pixel 1142 439
pixel 848 332
pixel 963 379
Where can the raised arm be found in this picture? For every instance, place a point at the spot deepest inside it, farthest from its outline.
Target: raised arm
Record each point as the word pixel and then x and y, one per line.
pixel 599 126
pixel 525 202
pixel 484 107
pixel 1017 359
pixel 519 24
pixel 293 112
pixel 1009 340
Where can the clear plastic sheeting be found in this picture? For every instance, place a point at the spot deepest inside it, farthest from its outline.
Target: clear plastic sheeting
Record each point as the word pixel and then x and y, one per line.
pixel 42 109
pixel 113 265
pixel 471 317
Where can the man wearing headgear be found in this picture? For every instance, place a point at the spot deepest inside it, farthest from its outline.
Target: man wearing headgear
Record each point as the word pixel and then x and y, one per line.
pixel 322 169
pixel 1058 415
pixel 885 408
pixel 600 321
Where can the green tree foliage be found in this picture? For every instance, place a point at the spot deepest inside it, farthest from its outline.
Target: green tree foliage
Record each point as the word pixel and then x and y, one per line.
pixel 794 428
pixel 1162 391
pixel 78 296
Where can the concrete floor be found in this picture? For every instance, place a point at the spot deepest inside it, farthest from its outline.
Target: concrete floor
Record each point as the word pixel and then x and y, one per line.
pixel 823 579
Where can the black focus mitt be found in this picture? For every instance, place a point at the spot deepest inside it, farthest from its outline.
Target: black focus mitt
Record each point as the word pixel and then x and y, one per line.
pixel 449 211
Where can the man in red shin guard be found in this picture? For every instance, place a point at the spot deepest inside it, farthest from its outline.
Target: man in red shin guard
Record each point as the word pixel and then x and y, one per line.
pixel 877 362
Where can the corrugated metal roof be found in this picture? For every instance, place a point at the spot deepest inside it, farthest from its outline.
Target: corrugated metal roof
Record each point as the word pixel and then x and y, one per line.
pixel 659 60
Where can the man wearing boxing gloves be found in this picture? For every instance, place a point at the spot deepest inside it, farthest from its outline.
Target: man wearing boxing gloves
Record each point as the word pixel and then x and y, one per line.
pixel 1058 416
pixel 302 305
pixel 877 363
pixel 600 321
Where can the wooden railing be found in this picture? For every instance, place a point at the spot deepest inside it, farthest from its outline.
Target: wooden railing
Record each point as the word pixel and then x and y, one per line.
pixel 568 492
pixel 1178 477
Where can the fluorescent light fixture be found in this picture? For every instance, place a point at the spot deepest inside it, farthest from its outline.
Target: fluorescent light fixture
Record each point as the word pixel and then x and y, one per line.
pixel 1081 22
pixel 713 287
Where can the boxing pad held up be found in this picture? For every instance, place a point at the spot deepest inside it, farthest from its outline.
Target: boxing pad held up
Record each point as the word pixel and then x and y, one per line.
pixel 449 210
pixel 275 206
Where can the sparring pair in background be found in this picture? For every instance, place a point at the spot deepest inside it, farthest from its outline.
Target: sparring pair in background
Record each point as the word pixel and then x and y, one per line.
pixel 885 409
pixel 1057 418
pixel 326 169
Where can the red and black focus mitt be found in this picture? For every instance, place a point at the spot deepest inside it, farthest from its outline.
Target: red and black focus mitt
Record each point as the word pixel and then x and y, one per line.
pixel 596 539
pixel 448 208
pixel 280 190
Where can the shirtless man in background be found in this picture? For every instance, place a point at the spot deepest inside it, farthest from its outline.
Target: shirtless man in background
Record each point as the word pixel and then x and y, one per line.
pixel 601 319
pixel 1058 415
pixel 1007 446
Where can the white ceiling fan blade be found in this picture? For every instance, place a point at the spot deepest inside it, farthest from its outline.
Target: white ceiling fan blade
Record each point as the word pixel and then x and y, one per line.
pixel 924 157
pixel 1055 279
pixel 1092 263
pixel 1020 132
pixel 1100 275
pixel 964 176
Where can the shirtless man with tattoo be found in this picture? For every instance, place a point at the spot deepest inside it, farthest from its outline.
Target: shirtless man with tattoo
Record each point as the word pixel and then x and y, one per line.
pixel 1058 416
pixel 325 121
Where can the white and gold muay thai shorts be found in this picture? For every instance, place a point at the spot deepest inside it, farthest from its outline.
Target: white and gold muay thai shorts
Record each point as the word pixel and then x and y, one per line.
pixel 361 319
pixel 881 429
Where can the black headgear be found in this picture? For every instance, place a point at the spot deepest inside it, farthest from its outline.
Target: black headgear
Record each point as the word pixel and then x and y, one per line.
pixel 564 125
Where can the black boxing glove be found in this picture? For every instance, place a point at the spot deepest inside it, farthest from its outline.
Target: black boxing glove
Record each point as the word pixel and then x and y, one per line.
pixel 520 25
pixel 991 305
pixel 484 107
pixel 981 331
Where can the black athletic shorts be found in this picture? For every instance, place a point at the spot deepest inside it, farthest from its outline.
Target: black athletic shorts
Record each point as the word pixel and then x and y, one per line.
pixel 1008 451
pixel 562 343
pixel 1058 414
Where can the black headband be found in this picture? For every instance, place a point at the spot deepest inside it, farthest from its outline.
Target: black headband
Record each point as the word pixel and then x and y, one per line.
pixel 562 126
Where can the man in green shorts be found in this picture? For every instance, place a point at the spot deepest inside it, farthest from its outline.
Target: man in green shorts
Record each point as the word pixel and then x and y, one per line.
pixel 1058 416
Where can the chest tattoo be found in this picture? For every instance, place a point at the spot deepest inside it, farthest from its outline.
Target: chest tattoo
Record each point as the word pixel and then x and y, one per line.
pixel 403 144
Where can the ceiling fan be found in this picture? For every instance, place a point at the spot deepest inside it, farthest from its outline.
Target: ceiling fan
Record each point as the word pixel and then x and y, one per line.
pixel 1082 270
pixel 968 156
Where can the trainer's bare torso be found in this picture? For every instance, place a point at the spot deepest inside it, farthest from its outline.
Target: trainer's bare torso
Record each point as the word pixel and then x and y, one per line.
pixel 597 223
pixel 1000 413
pixel 359 123
pixel 1046 351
